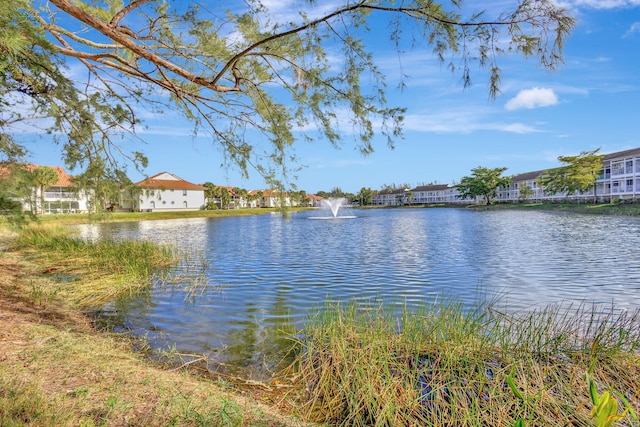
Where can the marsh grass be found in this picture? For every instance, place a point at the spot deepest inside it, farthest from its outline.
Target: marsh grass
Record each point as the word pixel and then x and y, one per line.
pixel 446 366
pixel 90 274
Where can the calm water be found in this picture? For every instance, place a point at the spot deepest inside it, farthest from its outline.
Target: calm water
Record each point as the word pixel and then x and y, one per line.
pixel 266 273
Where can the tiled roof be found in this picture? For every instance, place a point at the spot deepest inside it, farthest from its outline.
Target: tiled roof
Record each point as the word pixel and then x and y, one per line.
pixel 526 176
pixel 392 191
pixel 625 153
pixel 64 179
pixel 169 184
pixel 432 187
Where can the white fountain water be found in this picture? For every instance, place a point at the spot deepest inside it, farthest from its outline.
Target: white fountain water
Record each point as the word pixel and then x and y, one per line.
pixel 334 204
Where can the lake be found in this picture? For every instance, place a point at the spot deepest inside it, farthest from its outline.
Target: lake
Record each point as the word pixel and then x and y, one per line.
pixel 266 273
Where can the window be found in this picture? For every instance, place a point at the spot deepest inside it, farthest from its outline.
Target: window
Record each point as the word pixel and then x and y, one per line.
pixel 617 168
pixel 184 192
pixel 615 187
pixel 628 166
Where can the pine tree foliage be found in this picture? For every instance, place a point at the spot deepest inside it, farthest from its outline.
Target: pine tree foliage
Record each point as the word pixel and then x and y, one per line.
pixel 249 79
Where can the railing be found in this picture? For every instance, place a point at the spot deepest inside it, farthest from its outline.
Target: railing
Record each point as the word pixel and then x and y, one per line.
pixel 59 195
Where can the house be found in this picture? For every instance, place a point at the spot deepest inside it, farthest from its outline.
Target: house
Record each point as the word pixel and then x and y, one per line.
pixel 619 179
pixel 512 192
pixel 315 201
pixel 61 196
pixel 164 192
pixel 270 199
pixel 428 194
pixel 236 197
pixel 391 197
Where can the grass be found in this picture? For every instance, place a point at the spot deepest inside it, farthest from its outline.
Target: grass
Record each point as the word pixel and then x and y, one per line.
pixel 623 209
pixel 57 370
pixel 445 366
pixel 79 378
pixel 89 274
pixel 145 216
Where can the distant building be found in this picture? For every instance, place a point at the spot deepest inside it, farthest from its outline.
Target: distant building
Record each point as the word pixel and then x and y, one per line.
pixel 164 192
pixel 63 196
pixel 619 179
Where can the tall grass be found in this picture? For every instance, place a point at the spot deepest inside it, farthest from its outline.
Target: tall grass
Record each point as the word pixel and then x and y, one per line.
pixel 91 273
pixel 445 366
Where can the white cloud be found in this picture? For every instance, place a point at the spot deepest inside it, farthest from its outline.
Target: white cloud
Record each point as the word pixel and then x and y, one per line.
pixel 517 128
pixel 461 122
pixel 532 98
pixel 606 4
pixel 635 28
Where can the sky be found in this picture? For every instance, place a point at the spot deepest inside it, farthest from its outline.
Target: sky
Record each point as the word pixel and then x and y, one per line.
pixel 591 101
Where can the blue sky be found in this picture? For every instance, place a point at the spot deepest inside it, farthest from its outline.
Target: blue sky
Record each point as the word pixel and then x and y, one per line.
pixel 591 101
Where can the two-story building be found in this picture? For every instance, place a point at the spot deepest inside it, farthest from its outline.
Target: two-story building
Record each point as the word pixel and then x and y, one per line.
pixel 60 196
pixel 619 179
pixel 164 192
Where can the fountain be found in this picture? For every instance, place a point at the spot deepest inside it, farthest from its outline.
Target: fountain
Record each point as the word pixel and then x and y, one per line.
pixel 334 204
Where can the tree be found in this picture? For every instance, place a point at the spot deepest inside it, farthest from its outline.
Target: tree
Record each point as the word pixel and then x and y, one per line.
pixel 240 197
pixel 240 70
pixel 35 89
pixel 365 196
pixel 394 186
pixel 336 192
pixel 578 175
pixel 483 182
pixel 526 192
pixel 41 178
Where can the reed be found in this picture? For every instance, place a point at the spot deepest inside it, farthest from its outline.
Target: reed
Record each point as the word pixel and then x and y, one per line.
pixel 443 365
pixel 89 274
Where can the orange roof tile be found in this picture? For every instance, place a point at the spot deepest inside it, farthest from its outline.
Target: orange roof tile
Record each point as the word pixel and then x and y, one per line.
pixel 170 184
pixel 64 179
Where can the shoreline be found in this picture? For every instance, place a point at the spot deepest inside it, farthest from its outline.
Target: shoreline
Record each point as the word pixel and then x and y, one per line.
pixel 56 368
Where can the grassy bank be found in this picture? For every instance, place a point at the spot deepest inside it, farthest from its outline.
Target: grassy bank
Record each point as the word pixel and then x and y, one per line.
pixel 57 370
pixel 445 366
pixel 149 216
pixel 623 209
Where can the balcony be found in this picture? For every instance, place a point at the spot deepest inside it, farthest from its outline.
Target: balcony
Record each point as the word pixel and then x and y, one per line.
pixel 60 195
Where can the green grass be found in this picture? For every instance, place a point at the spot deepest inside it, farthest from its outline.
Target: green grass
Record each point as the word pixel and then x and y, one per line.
pixel 146 216
pixel 623 209
pixel 446 366
pixel 89 274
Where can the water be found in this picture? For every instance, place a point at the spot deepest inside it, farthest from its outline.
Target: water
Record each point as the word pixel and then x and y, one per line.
pixel 266 272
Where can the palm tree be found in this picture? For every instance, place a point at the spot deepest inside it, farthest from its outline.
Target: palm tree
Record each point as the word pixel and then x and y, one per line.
pixel 43 177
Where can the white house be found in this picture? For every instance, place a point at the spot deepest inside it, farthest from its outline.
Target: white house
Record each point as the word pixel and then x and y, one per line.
pixel 434 193
pixel 165 192
pixel 63 196
pixel 619 179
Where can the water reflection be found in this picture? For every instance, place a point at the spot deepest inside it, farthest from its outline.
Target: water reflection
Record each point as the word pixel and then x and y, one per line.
pixel 266 273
